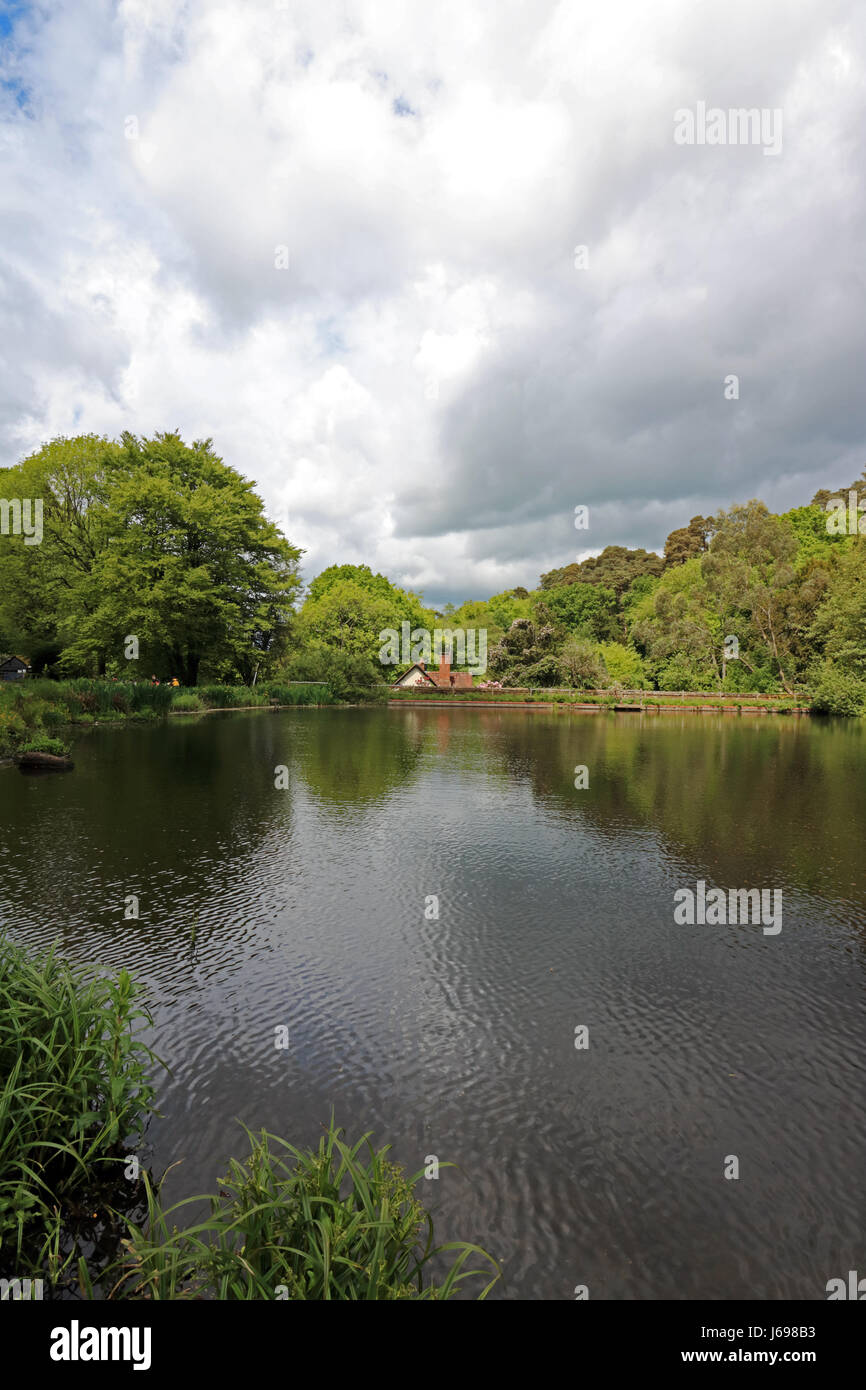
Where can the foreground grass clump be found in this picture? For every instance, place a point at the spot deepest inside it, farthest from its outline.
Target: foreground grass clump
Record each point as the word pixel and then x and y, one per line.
pixel 339 1223
pixel 74 1087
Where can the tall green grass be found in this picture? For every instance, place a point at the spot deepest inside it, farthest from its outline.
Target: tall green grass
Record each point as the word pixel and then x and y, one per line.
pixel 343 1222
pixel 340 1223
pixel 75 1087
pixel 236 696
pixel 187 701
pixel 40 707
pixel 300 695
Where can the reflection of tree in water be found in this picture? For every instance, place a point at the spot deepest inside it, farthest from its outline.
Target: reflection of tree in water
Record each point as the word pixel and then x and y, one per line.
pixel 351 756
pixel 747 795
pixel 170 813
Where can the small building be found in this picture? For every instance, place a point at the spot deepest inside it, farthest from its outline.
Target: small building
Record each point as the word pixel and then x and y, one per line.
pixel 443 679
pixel 13 668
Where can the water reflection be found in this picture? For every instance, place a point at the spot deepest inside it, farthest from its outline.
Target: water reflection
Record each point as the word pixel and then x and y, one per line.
pixel 455 1035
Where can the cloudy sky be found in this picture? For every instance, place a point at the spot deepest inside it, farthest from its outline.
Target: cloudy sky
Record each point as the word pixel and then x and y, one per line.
pixel 340 237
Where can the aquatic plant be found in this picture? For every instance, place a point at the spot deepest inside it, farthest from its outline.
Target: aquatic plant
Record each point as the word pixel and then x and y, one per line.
pixel 342 1222
pixel 75 1087
pixel 187 701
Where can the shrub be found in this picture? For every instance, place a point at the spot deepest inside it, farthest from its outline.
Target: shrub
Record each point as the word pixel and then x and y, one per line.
pixel 44 744
pixel 349 676
pixel 13 730
pixel 680 674
pixel 543 672
pixel 623 664
pixel 580 666
pixel 836 691
pixel 54 718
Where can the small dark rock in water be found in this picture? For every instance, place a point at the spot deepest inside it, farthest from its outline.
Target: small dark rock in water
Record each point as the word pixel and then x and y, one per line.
pixel 44 761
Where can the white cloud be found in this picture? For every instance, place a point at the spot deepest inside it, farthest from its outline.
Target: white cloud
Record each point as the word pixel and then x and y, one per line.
pixel 431 385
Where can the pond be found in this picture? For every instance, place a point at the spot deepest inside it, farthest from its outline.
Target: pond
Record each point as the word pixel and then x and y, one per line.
pixel 479 961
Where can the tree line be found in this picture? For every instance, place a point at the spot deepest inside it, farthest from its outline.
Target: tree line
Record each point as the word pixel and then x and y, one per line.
pixel 162 541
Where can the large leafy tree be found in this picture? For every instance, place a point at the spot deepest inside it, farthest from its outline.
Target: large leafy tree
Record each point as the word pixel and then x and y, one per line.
pixel 347 617
pixel 749 570
pixel 48 590
pixel 838 627
pixel 193 566
pixel 347 606
pixel 678 628
pixel 338 629
pixel 155 539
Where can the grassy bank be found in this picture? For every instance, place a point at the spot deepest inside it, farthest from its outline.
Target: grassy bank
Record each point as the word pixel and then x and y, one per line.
pixel 340 1222
pixel 649 698
pixel 41 714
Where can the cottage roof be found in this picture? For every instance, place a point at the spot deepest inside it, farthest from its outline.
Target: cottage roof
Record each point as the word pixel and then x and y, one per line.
pixel 416 666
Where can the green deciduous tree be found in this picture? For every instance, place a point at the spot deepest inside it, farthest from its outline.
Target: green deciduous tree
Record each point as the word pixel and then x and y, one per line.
pixel 155 539
pixel 749 568
pixel 588 610
pixel 580 665
pixel 47 590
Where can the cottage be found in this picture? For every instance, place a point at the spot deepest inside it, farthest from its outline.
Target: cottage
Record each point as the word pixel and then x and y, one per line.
pixel 12 668
pixel 443 679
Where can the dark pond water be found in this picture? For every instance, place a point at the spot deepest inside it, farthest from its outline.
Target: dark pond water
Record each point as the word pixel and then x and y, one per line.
pixel 455 1037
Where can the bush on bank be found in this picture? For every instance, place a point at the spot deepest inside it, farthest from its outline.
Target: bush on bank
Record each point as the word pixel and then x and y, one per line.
pixel 837 691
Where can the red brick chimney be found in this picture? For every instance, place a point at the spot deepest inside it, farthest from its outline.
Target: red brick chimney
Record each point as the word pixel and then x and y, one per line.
pixel 444 676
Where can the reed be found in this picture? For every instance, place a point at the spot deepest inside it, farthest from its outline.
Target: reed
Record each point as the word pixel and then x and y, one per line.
pixel 341 1223
pixel 187 702
pixel 75 1087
